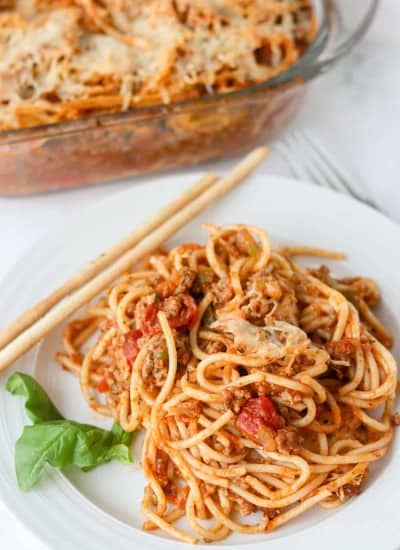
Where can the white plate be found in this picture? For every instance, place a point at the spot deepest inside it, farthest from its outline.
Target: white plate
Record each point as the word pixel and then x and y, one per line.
pixel 100 510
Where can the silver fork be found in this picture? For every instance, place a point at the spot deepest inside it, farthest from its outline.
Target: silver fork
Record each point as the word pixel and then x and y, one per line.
pixel 309 160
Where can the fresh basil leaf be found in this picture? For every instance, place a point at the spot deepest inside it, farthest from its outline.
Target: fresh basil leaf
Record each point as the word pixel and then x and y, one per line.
pixel 57 441
pixel 38 405
pixel 120 435
pixel 121 453
pixel 61 443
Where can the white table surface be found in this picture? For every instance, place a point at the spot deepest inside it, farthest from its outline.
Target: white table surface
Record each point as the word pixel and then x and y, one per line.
pixel 354 111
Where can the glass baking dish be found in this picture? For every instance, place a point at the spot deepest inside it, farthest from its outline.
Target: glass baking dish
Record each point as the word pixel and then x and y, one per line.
pixel 148 139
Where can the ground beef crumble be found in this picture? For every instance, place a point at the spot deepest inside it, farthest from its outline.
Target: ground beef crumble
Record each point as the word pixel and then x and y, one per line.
pixel 342 350
pixel 155 366
pixel 179 282
pixel 322 273
pixel 287 309
pixel 235 398
pixel 222 292
pixel 288 441
pixel 214 347
pixel 363 288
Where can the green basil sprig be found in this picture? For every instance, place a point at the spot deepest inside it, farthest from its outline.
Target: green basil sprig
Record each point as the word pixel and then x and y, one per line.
pixel 57 441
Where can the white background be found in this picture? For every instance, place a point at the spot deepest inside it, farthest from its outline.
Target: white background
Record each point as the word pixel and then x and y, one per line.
pixel 354 111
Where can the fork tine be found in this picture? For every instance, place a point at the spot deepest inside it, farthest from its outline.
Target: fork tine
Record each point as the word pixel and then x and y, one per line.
pixel 346 181
pixel 286 150
pixel 318 168
pixel 311 161
pixel 300 149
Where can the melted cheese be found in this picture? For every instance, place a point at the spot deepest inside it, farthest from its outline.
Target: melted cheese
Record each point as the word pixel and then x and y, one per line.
pixel 272 341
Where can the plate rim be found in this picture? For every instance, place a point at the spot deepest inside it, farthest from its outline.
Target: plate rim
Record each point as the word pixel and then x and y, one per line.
pixel 117 196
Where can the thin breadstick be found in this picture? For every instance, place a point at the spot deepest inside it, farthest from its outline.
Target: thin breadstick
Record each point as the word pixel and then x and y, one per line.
pixel 96 266
pixel 25 341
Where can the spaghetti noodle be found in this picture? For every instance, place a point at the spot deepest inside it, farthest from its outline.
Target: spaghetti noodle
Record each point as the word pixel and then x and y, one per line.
pixel 262 389
pixel 65 59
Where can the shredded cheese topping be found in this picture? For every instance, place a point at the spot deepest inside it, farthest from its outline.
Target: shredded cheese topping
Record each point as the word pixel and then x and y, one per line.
pixel 61 59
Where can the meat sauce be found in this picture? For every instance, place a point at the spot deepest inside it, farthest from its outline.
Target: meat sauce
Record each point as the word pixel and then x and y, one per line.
pixel 181 312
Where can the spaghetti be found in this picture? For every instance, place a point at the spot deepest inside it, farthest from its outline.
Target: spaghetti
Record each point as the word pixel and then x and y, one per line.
pixel 66 59
pixel 263 391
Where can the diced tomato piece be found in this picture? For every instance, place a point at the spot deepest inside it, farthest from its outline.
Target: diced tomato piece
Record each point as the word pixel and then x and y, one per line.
pixel 103 386
pixel 187 316
pixel 256 413
pixel 130 347
pixel 149 323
